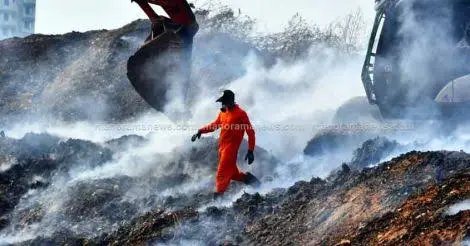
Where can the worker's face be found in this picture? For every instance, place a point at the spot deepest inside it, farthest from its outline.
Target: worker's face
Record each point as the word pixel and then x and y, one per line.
pixel 226 106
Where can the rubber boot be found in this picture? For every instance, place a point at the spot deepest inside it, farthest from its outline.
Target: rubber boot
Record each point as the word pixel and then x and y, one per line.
pixel 252 180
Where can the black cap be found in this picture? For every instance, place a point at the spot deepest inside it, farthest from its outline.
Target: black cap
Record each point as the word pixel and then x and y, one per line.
pixel 228 96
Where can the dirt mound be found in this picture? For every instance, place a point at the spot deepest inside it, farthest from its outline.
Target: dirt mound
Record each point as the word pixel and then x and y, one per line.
pixel 345 205
pixel 45 183
pixel 422 219
pixel 403 201
pixel 374 150
pixel 31 162
pixel 333 141
pixel 62 70
pixel 67 73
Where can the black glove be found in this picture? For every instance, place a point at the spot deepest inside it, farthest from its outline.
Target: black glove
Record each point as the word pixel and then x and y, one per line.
pixel 250 157
pixel 196 136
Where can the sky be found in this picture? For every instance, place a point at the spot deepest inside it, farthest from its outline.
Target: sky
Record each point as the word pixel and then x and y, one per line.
pixel 59 16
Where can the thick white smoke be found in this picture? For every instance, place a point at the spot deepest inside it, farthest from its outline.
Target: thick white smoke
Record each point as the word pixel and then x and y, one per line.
pixel 298 96
pixel 287 102
pixel 456 208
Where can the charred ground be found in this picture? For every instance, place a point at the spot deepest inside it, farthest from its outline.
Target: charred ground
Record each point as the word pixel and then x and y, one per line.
pixel 403 200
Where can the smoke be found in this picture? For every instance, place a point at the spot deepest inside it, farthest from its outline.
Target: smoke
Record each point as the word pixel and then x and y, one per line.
pixel 420 54
pixel 284 102
pixel 98 131
pixel 433 39
pixel 456 208
pixel 288 102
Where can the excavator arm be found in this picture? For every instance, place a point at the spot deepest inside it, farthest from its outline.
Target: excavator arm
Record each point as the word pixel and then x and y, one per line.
pixel 367 69
pixel 145 6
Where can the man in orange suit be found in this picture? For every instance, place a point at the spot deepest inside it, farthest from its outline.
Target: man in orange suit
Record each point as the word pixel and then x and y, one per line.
pixel 234 123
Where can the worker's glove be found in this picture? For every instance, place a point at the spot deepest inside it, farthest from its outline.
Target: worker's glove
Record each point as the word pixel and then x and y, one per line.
pixel 250 157
pixel 196 136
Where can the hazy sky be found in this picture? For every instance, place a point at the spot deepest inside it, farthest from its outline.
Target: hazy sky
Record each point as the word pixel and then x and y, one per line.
pixel 59 16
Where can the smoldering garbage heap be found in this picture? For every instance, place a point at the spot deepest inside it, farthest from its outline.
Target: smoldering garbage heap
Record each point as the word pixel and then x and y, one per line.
pixel 32 169
pixel 353 203
pixel 400 201
pixel 59 76
pixel 397 202
pixel 31 162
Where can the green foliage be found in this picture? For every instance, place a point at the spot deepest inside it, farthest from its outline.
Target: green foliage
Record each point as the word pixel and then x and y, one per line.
pixel 225 20
pixel 346 35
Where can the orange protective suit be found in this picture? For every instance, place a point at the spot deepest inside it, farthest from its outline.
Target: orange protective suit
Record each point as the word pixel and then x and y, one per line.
pixel 234 124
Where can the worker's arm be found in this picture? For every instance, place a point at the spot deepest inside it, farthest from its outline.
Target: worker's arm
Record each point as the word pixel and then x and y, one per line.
pixel 250 131
pixel 206 129
pixel 212 126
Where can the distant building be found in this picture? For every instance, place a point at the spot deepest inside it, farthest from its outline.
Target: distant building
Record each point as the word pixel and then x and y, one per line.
pixel 17 18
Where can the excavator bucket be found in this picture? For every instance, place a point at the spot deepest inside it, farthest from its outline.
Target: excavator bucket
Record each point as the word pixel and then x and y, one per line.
pixel 160 61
